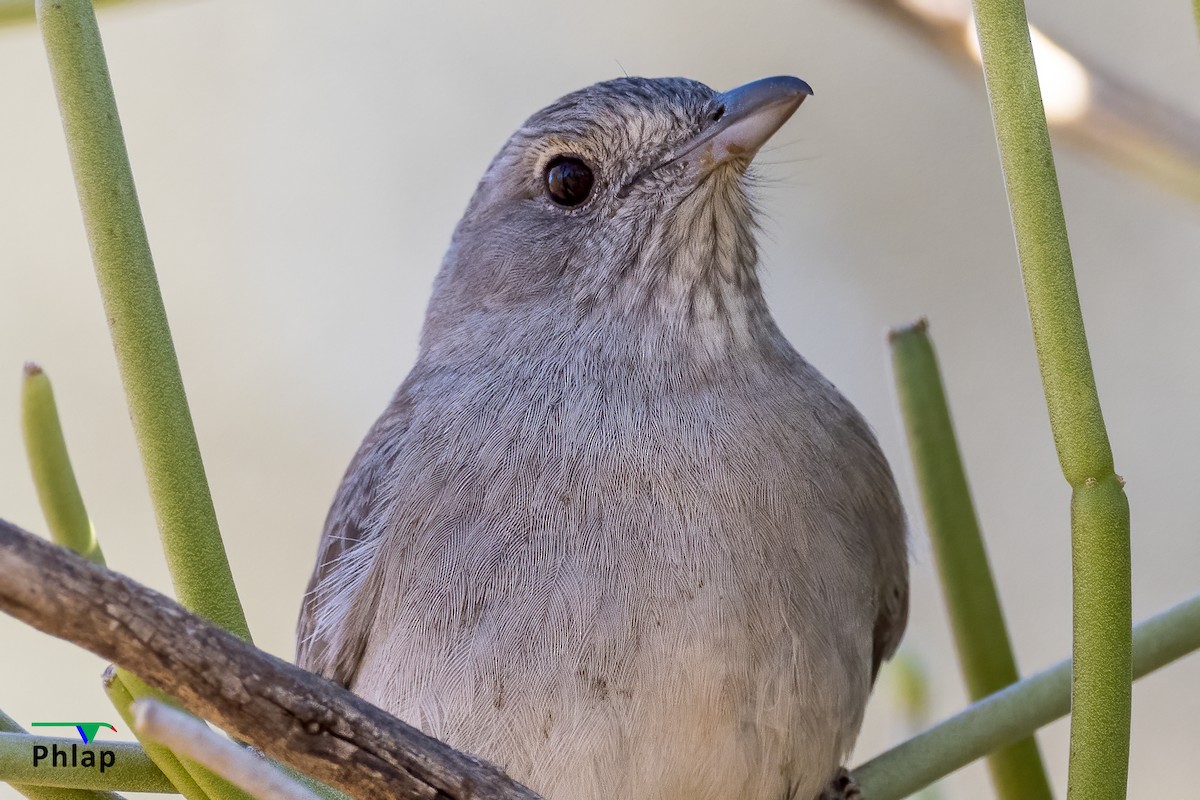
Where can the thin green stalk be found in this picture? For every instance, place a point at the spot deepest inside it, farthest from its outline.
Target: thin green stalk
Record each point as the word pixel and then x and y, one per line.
pixel 1100 688
pixel 984 651
pixel 50 465
pixel 59 493
pixel 9 725
pixel 1016 712
pixel 137 319
pixel 131 770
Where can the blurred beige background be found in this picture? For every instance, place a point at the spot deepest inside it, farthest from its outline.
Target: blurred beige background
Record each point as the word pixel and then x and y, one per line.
pixel 301 166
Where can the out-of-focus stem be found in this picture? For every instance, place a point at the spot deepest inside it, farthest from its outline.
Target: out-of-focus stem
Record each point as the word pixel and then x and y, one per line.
pixel 1117 122
pixel 1016 712
pixel 57 490
pixel 980 635
pixel 1100 688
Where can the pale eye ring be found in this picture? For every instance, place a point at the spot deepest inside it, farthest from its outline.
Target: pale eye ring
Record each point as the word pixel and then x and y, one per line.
pixel 568 180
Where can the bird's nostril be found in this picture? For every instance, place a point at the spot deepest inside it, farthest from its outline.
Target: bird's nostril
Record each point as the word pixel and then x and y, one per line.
pixel 716 115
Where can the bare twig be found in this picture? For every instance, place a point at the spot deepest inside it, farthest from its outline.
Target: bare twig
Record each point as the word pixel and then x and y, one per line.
pixel 1121 123
pixel 190 737
pixel 292 715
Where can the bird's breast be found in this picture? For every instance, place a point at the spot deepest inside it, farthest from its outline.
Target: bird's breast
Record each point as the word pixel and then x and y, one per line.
pixel 620 577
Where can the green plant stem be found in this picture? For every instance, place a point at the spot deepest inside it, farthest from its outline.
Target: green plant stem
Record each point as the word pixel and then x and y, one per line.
pixel 1100 689
pixel 131 771
pixel 10 726
pixel 1016 712
pixel 137 319
pixel 50 465
pixel 984 651
pixel 69 524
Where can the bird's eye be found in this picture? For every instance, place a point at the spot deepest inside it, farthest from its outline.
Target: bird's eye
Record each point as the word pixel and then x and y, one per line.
pixel 568 180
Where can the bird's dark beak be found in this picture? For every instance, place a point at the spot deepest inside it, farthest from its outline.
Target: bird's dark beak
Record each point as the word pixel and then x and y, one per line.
pixel 744 119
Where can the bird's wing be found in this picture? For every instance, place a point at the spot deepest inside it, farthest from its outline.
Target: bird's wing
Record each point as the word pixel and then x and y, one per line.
pixel 891 551
pixel 890 622
pixel 339 604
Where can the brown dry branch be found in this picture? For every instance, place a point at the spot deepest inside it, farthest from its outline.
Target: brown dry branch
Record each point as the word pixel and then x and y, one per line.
pixel 292 715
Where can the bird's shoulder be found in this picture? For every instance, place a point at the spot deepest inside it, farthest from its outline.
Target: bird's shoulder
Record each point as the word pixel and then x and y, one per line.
pixel 328 641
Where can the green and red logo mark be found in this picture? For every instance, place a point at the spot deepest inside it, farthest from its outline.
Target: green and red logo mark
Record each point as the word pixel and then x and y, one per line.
pixel 86 729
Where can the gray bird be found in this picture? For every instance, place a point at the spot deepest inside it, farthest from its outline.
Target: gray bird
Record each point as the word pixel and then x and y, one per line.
pixel 613 533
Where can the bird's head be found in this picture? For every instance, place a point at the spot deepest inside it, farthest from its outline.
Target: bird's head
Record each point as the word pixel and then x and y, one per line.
pixel 626 201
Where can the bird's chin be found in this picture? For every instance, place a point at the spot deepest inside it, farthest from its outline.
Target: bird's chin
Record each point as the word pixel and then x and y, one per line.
pixel 706 171
pixel 719 186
